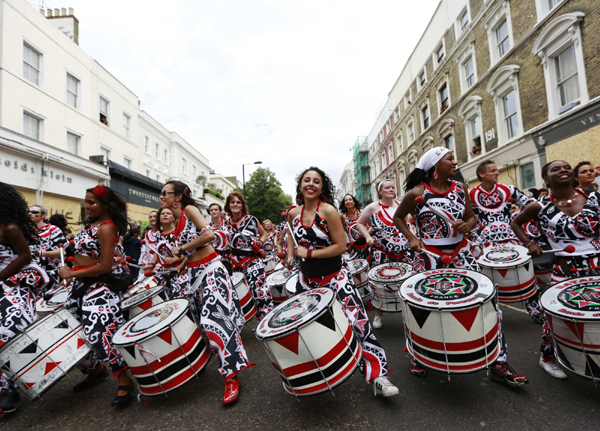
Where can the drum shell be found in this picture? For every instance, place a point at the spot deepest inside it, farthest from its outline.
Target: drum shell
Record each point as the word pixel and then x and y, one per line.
pixel 384 296
pixel 457 333
pixel 270 263
pixel 58 346
pixel 328 340
pixel 169 359
pixel 148 303
pixel 290 284
pixel 515 283
pixel 146 283
pixel 278 290
pixel 361 280
pixel 243 292
pixel 542 267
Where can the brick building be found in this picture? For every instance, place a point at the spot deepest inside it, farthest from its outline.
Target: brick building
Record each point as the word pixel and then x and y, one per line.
pixel 505 80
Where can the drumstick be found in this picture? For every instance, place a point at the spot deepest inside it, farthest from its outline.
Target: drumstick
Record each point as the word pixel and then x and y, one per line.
pixel 143 242
pixel 124 262
pixel 289 228
pixel 444 259
pixel 421 201
pixel 150 272
pixel 568 249
pixel 62 260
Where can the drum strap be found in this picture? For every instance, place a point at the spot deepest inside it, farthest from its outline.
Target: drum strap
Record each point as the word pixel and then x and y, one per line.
pixel 393 257
pixel 452 255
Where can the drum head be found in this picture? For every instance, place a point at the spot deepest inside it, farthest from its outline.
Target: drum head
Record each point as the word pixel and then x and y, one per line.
pixel 290 284
pixel 279 266
pixel 151 322
pixel 447 289
pixel 357 265
pixel 144 295
pixel 391 272
pixel 279 278
pixel 237 277
pixel 58 300
pixel 295 313
pixel 577 298
pixel 503 256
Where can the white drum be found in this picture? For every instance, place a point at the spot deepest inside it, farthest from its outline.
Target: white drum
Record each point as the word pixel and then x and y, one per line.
pixel 276 283
pixel 243 292
pixel 280 266
pixel 270 264
pixel 58 299
pixel 572 311
pixel 44 352
pixel 143 300
pixel 450 320
pixel 144 283
pixel 511 269
pixel 385 281
pixel 163 347
pixel 310 343
pixel 542 267
pixel 291 285
pixel 359 269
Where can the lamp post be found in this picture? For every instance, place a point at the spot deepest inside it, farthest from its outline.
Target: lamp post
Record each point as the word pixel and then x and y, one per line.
pixel 244 175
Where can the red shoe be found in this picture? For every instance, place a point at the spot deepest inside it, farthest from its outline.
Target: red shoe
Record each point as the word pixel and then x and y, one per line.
pixel 232 390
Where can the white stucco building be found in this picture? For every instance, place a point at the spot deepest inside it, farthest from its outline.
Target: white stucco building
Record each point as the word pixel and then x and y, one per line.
pixel 347 182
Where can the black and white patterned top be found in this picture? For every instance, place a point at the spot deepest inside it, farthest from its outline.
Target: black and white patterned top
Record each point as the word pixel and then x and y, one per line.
pixel 387 237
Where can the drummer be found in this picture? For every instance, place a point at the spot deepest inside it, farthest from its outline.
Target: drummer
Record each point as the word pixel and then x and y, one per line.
pixel 432 180
pixel 491 202
pixel 149 238
pixel 220 244
pixel 569 216
pixel 319 232
pixel 349 213
pixel 386 242
pixel 94 298
pixel 269 246
pixel 221 318
pixel 17 294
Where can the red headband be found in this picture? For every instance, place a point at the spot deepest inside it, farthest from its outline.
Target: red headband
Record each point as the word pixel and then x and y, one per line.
pixel 100 191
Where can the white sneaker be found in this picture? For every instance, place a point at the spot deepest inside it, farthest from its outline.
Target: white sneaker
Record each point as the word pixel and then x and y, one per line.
pixel 377 322
pixel 552 368
pixel 384 387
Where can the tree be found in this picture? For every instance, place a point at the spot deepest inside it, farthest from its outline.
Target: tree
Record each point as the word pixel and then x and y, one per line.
pixel 201 181
pixel 264 196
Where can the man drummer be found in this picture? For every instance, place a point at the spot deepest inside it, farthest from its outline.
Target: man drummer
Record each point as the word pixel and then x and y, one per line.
pixel 491 202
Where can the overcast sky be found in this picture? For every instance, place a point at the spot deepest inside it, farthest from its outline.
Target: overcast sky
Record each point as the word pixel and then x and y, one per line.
pixel 289 83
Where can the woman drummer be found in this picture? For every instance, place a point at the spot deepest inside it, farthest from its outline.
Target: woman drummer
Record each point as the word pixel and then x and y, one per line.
pixel 349 213
pixel 219 311
pixel 432 182
pixel 386 242
pixel 149 238
pixel 246 236
pixel 569 217
pixel 220 244
pixel 94 297
pixel 270 244
pixel 319 233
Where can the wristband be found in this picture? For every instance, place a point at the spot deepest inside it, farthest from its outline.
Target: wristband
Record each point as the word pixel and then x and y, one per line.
pixel 309 254
pixel 529 243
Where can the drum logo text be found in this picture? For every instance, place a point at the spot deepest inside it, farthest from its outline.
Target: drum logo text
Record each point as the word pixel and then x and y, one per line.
pixel 445 287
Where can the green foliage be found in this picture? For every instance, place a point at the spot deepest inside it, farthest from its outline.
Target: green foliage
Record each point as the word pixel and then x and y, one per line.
pixel 264 196
pixel 201 180
pixel 214 193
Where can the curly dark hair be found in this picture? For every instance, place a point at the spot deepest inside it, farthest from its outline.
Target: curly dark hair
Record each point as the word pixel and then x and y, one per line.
pixel 328 190
pixel 117 209
pixel 181 188
pixel 342 206
pixel 242 200
pixel 14 210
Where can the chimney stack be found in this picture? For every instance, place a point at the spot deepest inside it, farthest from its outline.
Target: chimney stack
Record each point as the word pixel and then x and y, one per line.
pixel 71 11
pixel 56 12
pixel 68 24
pixel 63 11
pixel 49 13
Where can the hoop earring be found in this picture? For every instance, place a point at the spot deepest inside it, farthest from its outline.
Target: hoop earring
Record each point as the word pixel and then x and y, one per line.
pixel 176 205
pixel 435 174
pixel 299 198
pixel 322 198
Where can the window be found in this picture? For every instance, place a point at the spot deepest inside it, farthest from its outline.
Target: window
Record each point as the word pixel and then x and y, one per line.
pixel 104 106
pixel 504 88
pixel 449 142
pixel 157 150
pixel 425 120
pixel 390 152
pixel 560 48
pixel 32 64
pixel 407 100
pixel 72 91
pixel 440 54
pixel 502 41
pixel 383 160
pixel 470 111
pixel 194 171
pixel 32 126
pixel 469 72
pixel 411 132
pixel 127 162
pixel 105 152
pixel 148 173
pixel 399 143
pixel 510 114
pixel 422 79
pixel 474 125
pixel 73 143
pixel 544 7
pixel 462 21
pixel 527 176
pixel 146 144
pixel 444 98
pixel 184 165
pixel 126 125
pixel 157 177
pixel 499 30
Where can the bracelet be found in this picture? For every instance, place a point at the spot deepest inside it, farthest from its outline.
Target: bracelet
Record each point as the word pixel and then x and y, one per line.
pixel 309 254
pixel 529 243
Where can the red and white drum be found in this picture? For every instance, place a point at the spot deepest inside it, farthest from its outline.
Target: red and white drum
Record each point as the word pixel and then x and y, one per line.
pixel 58 299
pixel 163 347
pixel 450 320
pixel 276 283
pixel 511 269
pixel 143 300
pixel 44 352
pixel 144 283
pixel 572 311
pixel 243 292
pixel 310 343
pixel 385 281
pixel 359 269
pixel 280 266
pixel 291 285
pixel 542 267
pixel 270 264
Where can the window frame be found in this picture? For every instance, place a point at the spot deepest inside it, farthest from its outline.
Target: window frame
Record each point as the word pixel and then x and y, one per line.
pixel 107 113
pixel 470 109
pixel 425 107
pixel 496 17
pixel 78 143
pixel 107 149
pixel 502 82
pixel 40 69
pixel 543 9
pixel 436 61
pixel 421 85
pixel 67 91
pixel 444 82
pixel 411 125
pixel 461 29
pixel 467 53
pixel 147 144
pixel 157 151
pixel 36 116
pixel 128 161
pixel 184 162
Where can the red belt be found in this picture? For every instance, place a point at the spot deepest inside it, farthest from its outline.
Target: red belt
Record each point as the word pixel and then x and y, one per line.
pixel 452 255
pixel 204 260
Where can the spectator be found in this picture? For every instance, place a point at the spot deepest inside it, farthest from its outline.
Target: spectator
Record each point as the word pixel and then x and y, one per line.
pixel 534 192
pixel 543 192
pixel 585 174
pixel 133 247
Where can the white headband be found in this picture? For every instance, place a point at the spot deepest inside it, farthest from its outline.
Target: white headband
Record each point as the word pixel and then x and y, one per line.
pixel 431 157
pixel 381 184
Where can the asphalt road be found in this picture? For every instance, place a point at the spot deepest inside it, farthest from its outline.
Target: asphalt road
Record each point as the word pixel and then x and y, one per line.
pixel 466 402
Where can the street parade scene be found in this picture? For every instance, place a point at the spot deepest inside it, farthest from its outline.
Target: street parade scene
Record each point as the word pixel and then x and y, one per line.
pixel 442 274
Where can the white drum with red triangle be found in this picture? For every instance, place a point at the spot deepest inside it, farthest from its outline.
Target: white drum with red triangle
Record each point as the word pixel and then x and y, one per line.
pixel 511 269
pixel 359 269
pixel 291 285
pixel 144 283
pixel 243 292
pixel 310 343
pixel 163 347
pixel 572 311
pixel 44 353
pixel 450 320
pixel 143 300
pixel 276 283
pixel 270 264
pixel 385 281
pixel 59 299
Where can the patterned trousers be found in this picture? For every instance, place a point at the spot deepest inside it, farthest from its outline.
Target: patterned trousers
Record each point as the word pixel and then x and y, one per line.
pixel 100 314
pixel 257 281
pixel 220 315
pixel 374 360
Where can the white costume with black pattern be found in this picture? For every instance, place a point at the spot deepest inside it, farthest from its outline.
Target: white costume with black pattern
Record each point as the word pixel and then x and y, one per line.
pixel 390 245
pixel 150 238
pixel 176 285
pixel 48 238
pixel 358 247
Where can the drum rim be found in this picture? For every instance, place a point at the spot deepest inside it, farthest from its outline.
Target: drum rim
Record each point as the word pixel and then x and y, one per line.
pixel 160 288
pixel 292 273
pixel 302 325
pixel 154 334
pixel 565 316
pixel 366 264
pixel 401 280
pixel 502 265
pixel 41 303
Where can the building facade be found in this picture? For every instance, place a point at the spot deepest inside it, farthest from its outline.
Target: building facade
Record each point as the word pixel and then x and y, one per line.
pixel 362 171
pixel 347 183
pixel 504 80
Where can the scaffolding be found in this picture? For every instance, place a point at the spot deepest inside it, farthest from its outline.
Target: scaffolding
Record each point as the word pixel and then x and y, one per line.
pixel 362 171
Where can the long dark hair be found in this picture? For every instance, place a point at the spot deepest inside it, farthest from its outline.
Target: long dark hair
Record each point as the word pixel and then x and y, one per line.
pixel 117 209
pixel 181 188
pixel 59 221
pixel 328 190
pixel 342 206
pixel 14 210
pixel 242 200
pixel 416 177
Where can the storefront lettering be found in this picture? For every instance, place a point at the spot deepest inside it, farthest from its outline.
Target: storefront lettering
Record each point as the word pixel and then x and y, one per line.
pixel 145 196
pixel 15 164
pixel 591 119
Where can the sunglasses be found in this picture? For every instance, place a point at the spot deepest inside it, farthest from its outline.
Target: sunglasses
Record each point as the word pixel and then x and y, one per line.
pixel 163 193
pixel 33 212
